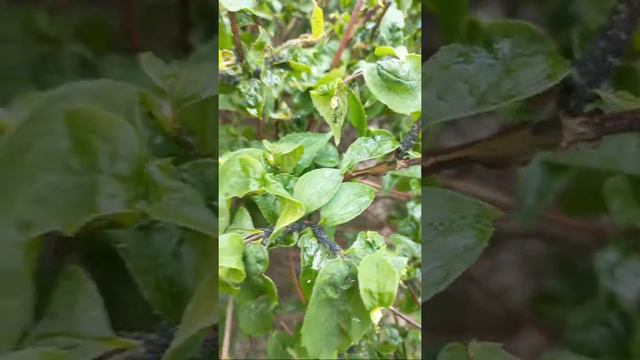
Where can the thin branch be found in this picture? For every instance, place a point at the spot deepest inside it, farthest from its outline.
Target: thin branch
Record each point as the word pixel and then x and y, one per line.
pixel 348 34
pixel 354 76
pixel 235 31
pixel 129 22
pixel 405 318
pixel 596 65
pixel 505 203
pixel 403 196
pixel 286 328
pixel 414 297
pixel 383 168
pixel 294 279
pixel 228 327
pixel 516 146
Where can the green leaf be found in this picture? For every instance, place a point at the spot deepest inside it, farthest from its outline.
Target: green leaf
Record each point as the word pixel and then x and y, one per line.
pixel 201 314
pixel 616 153
pixel 181 81
pixel 231 267
pixel 317 187
pixel 356 114
pixel 200 118
pixel 366 243
pixel 36 353
pixel 64 165
pixel 621 201
pixel 336 317
pixel 76 320
pixel 17 300
pixel 242 222
pixel 291 209
pixel 317 21
pixel 237 5
pixel 331 102
pixel 396 83
pixel 515 62
pixel 351 199
pixel 166 262
pixel 452 15
pixel 457 229
pixel 241 171
pixel 256 317
pixel 284 155
pixel 313 257
pixel 278 344
pixel 378 281
pixel 258 297
pixel 379 143
pixel 405 246
pixel 176 202
pixel 312 144
pixel 327 156
pixel 391 25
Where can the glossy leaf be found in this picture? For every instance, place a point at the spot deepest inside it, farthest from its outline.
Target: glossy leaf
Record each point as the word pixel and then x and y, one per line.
pixel 312 144
pixel 515 61
pixel 230 265
pixel 176 202
pixel 317 21
pixel 76 320
pixel 356 114
pixel 335 317
pixel 378 281
pixel 379 143
pixel 396 83
pixel 331 102
pixel 351 199
pixel 200 314
pixel 313 257
pixel 457 229
pixel 291 209
pixel 317 187
pixel 166 262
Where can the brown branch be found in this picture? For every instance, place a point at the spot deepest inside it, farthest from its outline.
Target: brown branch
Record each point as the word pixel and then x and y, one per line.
pixel 414 297
pixel 228 327
pixel 505 203
pixel 347 35
pixel 294 279
pixel 382 168
pixel 285 327
pixel 516 146
pixel 405 318
pixel 398 195
pixel 235 31
pixel 129 23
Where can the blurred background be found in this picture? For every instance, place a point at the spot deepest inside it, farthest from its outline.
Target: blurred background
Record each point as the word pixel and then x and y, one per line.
pixel 45 43
pixel 562 270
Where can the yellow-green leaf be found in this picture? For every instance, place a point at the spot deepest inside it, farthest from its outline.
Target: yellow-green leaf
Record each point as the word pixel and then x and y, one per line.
pixel 317 21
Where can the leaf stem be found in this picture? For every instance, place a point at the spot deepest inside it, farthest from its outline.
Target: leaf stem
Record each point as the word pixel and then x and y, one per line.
pixel 405 317
pixel 294 279
pixel 228 327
